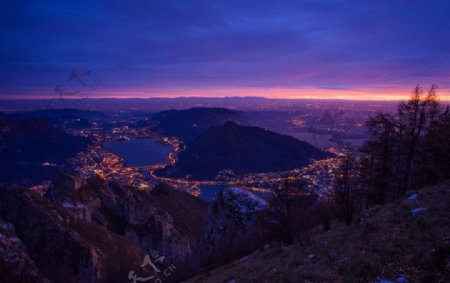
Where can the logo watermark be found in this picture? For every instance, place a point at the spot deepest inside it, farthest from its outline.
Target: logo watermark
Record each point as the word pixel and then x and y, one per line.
pixel 79 85
pixel 161 273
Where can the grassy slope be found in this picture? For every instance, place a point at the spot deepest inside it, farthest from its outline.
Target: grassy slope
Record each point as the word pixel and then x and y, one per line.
pixel 387 242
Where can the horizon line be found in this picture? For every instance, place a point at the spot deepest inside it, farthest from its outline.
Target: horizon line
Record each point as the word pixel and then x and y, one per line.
pixel 391 99
pixel 287 94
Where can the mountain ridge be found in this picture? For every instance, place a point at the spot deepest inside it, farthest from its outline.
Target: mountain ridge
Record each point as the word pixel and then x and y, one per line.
pixel 243 149
pixel 188 124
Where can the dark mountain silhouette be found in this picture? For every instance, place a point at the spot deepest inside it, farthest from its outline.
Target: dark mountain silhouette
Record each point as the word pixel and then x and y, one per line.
pixel 58 113
pixel 25 144
pixel 188 124
pixel 72 118
pixel 243 149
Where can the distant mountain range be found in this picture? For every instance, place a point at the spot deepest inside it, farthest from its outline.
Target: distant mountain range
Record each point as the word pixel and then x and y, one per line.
pixel 243 149
pixel 190 123
pixel 26 143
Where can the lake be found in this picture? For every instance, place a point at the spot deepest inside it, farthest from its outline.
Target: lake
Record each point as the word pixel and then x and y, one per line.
pixel 140 152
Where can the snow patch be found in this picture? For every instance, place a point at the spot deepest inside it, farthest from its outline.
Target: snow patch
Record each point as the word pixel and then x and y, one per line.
pixel 6 226
pixel 14 239
pixel 67 205
pixel 413 197
pixel 311 256
pixel 244 201
pixel 416 210
pixel 400 279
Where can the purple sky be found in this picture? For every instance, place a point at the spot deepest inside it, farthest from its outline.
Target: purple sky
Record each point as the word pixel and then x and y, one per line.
pixel 318 49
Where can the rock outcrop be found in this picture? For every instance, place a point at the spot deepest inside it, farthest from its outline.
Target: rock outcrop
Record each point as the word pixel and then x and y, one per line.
pixel 233 226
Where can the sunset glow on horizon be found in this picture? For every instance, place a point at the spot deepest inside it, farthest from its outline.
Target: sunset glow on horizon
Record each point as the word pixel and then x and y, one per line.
pixel 275 93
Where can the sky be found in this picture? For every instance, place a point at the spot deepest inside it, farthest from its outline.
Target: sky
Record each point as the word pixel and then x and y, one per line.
pixel 278 49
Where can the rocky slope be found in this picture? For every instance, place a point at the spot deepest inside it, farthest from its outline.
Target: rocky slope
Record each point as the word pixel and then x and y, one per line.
pixel 406 241
pixel 242 149
pixel 90 231
pixel 14 259
pixel 63 247
pixel 168 222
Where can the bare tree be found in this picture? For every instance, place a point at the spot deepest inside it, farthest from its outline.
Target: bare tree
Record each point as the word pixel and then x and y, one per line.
pixel 289 212
pixel 395 155
pixel 435 156
pixel 415 118
pixel 347 193
pixel 378 163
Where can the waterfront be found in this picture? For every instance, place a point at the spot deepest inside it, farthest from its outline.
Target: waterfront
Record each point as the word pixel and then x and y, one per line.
pixel 140 152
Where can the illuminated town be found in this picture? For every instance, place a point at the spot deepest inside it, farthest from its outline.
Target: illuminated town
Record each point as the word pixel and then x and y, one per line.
pixel 318 175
